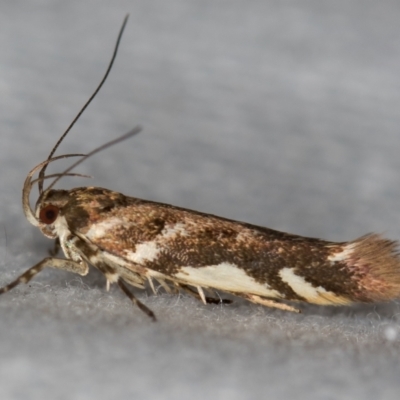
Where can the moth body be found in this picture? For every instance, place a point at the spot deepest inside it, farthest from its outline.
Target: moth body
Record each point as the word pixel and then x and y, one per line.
pixel 138 241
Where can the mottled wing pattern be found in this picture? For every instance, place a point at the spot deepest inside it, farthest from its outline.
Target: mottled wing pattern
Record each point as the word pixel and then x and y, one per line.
pixel 175 244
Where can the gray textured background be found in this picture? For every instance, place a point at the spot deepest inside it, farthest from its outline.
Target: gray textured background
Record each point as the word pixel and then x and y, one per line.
pixel 280 113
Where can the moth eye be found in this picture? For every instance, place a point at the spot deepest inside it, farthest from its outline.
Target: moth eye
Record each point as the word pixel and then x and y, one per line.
pixel 48 214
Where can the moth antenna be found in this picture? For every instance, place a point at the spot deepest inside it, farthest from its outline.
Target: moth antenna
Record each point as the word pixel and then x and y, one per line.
pixel 59 175
pixel 43 170
pixel 26 191
pixel 126 136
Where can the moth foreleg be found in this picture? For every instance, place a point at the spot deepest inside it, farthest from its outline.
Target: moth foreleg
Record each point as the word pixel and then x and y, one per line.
pixel 135 301
pixel 56 248
pixel 270 303
pixel 80 268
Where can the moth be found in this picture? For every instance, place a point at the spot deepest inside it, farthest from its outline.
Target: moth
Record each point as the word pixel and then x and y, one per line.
pixel 136 242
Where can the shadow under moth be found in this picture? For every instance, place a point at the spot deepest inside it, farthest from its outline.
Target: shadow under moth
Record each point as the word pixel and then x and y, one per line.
pixel 136 242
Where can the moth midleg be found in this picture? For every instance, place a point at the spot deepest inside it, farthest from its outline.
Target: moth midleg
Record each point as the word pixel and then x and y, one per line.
pixel 209 300
pixel 270 303
pixel 165 286
pixel 135 301
pixel 80 268
pixel 133 278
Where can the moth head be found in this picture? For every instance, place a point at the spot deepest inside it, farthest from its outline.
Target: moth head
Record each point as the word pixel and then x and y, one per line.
pixel 49 209
pixel 49 203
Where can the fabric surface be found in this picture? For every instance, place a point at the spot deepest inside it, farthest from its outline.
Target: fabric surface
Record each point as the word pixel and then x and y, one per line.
pixel 282 114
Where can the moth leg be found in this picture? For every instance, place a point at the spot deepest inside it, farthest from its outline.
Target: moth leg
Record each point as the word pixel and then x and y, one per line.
pixel 271 303
pixel 165 285
pixel 59 263
pixel 151 283
pixel 209 300
pixel 56 248
pixel 128 276
pixel 201 294
pixel 135 301
pixel 162 283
